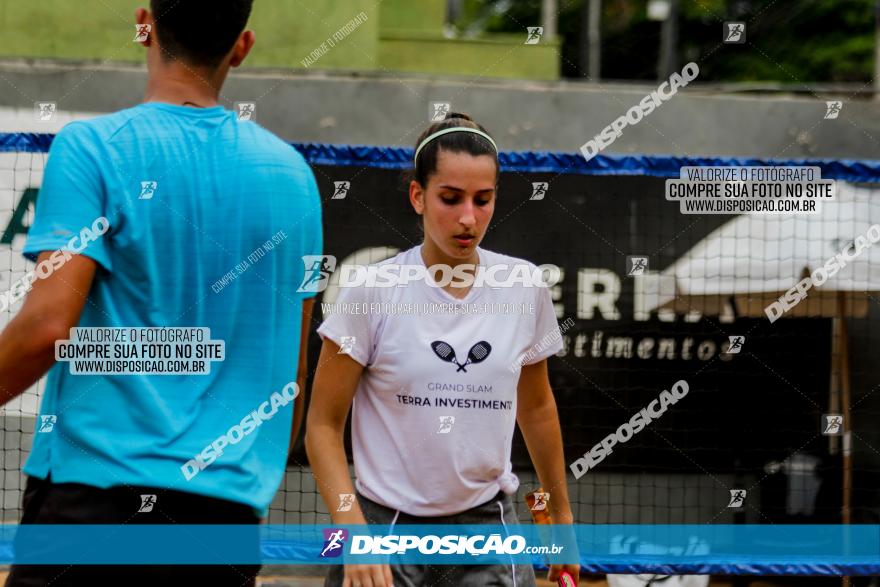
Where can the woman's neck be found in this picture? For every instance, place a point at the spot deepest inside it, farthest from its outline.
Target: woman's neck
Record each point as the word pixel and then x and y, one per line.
pixel 432 255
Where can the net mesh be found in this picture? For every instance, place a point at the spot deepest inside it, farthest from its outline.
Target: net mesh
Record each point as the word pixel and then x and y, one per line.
pixel 753 420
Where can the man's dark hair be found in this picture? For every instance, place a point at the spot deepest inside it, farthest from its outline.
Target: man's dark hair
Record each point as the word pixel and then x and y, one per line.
pixel 199 32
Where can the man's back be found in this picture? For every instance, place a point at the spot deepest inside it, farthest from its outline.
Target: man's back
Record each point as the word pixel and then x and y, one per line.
pixel 209 218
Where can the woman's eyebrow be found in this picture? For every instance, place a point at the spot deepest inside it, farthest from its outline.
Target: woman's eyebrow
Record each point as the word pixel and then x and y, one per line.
pixel 456 189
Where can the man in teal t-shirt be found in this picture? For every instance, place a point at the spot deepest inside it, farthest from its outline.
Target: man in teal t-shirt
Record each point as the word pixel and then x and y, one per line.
pixel 178 224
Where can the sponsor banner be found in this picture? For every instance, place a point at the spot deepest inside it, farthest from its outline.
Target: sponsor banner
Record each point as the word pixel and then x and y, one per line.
pixel 612 238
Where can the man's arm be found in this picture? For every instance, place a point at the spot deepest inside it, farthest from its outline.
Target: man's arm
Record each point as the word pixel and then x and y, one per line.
pixel 299 404
pixel 51 309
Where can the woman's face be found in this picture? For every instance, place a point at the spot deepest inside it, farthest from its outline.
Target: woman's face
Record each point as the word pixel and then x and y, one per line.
pixel 457 204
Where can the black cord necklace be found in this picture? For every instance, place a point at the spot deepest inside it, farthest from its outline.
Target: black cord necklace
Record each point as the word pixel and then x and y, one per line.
pixel 193 103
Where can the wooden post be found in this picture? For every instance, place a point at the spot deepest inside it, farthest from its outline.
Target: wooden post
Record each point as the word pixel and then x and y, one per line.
pixel 549 16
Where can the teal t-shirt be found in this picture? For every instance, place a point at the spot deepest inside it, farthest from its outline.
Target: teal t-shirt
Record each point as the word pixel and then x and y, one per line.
pixel 209 219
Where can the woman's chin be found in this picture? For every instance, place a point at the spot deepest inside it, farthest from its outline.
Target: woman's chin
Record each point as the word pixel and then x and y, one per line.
pixel 461 248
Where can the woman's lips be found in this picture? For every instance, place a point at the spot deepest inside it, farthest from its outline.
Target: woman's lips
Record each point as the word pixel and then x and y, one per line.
pixel 464 240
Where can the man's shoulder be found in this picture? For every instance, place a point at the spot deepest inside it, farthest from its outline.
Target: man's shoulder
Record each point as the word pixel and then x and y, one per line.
pixel 98 128
pixel 267 142
pixel 268 146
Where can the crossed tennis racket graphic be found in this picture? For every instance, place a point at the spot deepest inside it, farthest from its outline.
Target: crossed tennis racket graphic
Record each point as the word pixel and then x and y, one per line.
pixel 477 354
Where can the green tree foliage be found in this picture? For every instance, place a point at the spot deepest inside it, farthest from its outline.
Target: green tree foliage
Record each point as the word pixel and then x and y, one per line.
pixel 788 41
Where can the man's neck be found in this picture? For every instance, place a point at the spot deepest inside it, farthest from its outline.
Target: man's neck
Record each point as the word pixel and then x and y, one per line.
pixel 183 86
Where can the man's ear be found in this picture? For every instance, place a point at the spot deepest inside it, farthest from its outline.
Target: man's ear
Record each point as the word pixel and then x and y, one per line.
pixel 417 197
pixel 242 47
pixel 142 17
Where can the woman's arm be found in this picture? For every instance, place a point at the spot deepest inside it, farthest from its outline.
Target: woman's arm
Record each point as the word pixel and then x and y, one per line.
pixel 333 390
pixel 538 420
pixel 335 384
pixel 299 404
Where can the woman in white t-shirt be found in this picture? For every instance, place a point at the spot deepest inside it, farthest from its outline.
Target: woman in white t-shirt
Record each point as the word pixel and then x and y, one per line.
pixel 437 374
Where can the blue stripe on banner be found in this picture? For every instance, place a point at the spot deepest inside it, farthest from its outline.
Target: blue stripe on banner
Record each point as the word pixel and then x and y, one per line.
pixel 852 170
pixel 25 142
pixel 659 549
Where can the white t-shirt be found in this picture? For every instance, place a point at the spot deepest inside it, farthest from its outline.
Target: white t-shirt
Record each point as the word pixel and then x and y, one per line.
pixel 423 368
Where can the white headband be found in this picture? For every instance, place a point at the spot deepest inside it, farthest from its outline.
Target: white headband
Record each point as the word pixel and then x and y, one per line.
pixel 446 131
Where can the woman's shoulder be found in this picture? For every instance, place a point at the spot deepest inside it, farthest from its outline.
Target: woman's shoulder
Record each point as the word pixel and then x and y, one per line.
pixel 401 258
pixel 519 273
pixel 372 281
pixel 489 258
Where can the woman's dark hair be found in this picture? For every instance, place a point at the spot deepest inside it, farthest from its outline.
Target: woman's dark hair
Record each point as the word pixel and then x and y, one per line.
pixel 457 142
pixel 199 32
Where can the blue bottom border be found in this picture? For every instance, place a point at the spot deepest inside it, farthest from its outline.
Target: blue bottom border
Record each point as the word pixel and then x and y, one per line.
pixel 817 550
